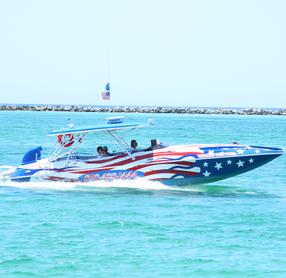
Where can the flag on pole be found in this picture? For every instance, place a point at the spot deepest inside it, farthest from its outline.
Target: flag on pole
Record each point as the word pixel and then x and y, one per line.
pixel 106 94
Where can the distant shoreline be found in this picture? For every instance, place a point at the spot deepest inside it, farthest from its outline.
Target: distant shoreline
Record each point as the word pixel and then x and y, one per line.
pixel 143 109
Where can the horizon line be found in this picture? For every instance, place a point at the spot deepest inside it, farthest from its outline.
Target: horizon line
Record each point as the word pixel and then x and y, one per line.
pixel 132 105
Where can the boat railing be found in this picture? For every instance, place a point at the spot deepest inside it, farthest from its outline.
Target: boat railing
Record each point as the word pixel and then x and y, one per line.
pixel 121 143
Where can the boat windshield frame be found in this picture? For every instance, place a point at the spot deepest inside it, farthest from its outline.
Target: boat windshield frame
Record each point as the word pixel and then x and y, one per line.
pixel 61 151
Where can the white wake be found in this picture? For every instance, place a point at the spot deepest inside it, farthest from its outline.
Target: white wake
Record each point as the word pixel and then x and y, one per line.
pixel 139 184
pixel 66 186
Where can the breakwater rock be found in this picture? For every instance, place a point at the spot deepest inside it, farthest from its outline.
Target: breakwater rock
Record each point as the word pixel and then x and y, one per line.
pixel 144 109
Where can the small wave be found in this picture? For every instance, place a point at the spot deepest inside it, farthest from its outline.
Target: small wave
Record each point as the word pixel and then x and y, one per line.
pixel 5 172
pixel 5 168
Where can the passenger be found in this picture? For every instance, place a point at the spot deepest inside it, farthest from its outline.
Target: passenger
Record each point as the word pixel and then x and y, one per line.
pixel 105 151
pixel 133 145
pixel 100 151
pixel 157 145
pixel 153 146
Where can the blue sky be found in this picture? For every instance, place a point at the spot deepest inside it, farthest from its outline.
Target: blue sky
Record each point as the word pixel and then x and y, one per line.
pixel 155 52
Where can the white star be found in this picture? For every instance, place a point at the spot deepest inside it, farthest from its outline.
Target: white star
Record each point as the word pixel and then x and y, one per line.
pixel 251 160
pixel 206 173
pixel 211 152
pixel 229 162
pixel 218 165
pixel 240 151
pixel 257 151
pixel 206 164
pixel 240 163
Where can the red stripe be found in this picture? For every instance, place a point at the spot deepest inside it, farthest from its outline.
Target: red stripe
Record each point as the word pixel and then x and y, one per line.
pixel 92 170
pixel 185 163
pixel 105 160
pixel 176 172
pixel 138 158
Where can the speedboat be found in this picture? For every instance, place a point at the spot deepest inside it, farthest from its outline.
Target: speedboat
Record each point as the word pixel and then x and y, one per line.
pixel 177 165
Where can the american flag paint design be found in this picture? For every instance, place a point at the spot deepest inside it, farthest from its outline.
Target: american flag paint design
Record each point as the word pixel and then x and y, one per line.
pixel 195 162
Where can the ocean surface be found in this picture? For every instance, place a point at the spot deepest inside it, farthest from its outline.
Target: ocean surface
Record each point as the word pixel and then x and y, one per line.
pixel 232 228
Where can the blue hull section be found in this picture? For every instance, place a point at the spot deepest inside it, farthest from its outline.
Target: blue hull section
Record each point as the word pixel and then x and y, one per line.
pixel 23 175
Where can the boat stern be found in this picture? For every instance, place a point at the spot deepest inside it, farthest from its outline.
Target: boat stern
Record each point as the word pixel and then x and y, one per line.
pixel 25 173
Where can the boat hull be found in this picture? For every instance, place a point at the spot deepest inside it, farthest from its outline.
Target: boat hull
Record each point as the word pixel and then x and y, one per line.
pixel 174 166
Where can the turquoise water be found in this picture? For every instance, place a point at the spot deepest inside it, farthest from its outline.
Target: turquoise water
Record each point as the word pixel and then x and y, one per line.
pixel 233 228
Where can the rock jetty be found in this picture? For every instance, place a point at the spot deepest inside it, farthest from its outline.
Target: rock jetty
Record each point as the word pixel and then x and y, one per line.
pixel 144 109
